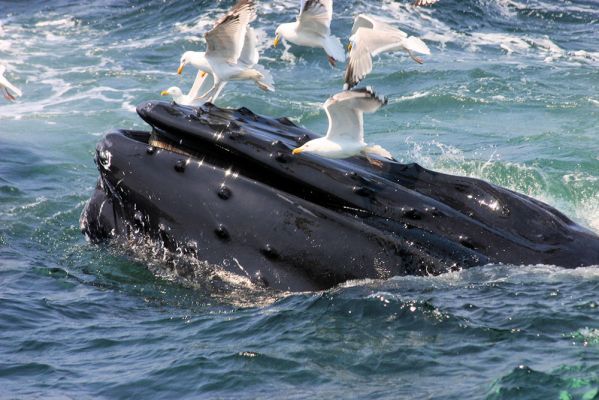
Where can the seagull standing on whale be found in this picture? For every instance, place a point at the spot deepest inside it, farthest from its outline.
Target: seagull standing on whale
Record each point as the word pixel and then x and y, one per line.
pixel 231 53
pixel 11 92
pixel 345 136
pixel 371 37
pixel 193 98
pixel 313 29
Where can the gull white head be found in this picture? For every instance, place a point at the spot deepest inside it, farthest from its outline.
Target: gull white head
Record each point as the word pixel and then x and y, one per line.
pixel 313 29
pixel 195 58
pixel 284 31
pixel 173 91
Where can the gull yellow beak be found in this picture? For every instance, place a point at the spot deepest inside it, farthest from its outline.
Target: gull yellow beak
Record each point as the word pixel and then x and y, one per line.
pixel 180 69
pixel 296 151
pixel 164 93
pixel 203 75
pixel 349 46
pixel 277 40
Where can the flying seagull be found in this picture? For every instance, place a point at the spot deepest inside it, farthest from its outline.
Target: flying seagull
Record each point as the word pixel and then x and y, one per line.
pixel 231 53
pixel 371 37
pixel 313 29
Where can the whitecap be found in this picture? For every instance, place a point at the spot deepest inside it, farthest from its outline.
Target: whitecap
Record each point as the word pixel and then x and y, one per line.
pixel 509 43
pixel 54 38
pixel 63 22
pixel 546 44
pixel 128 106
pixel 5 44
pixel 413 96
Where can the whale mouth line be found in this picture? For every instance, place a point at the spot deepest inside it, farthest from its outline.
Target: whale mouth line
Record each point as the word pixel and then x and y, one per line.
pixel 209 152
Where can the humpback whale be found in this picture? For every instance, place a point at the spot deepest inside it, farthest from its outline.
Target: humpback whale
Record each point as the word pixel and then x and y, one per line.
pixel 222 186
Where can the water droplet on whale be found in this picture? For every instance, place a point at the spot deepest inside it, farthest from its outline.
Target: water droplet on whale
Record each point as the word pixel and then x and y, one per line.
pixel 269 252
pixel 180 166
pixel 222 232
pixel 224 193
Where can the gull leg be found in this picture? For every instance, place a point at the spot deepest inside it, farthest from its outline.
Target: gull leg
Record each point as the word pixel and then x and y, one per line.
pixel 217 91
pixel 332 61
pixel 262 86
pixel 374 162
pixel 8 96
pixel 211 94
pixel 204 96
pixel 415 58
pixel 378 151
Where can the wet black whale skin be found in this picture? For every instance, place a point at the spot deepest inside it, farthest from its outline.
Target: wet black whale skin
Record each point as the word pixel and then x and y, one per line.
pixel 232 194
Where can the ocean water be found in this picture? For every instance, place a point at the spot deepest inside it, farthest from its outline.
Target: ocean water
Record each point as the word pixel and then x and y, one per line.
pixel 509 94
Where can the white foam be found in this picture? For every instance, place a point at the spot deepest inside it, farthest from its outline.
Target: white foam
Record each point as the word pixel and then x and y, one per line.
pixel 563 8
pixel 413 96
pixel 584 56
pixel 128 106
pixel 589 213
pixel 63 22
pixel 546 44
pixel 579 177
pixel 5 45
pixel 499 273
pixel 287 55
pixel 51 37
pixel 199 26
pixel 28 206
pixel 509 43
pixel 422 21
pixel 143 43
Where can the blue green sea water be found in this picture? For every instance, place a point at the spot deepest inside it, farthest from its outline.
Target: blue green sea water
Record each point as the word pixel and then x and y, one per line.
pixel 509 94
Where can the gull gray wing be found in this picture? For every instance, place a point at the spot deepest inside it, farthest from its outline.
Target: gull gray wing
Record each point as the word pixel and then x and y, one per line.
pixel 370 22
pixel 315 17
pixel 345 113
pixel 249 54
pixel 367 43
pixel 226 40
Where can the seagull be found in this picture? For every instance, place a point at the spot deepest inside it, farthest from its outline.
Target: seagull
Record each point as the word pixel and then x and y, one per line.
pixel 313 29
pixel 231 52
pixel 345 136
pixel 193 98
pixel 11 92
pixel 371 37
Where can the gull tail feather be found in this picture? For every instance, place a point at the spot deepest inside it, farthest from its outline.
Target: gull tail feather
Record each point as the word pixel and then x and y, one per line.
pixel 379 151
pixel 334 48
pixel 417 45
